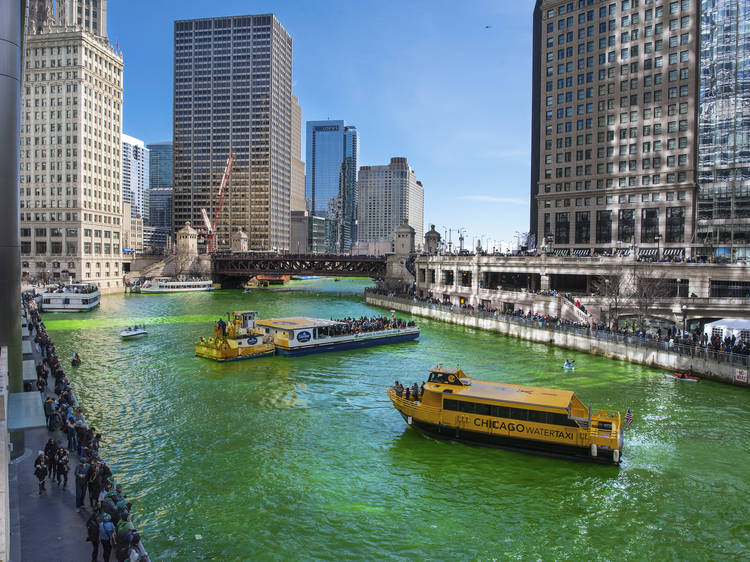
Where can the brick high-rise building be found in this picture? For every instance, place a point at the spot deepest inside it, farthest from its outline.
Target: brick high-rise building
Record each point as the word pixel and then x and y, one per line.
pixel 233 94
pixel 614 121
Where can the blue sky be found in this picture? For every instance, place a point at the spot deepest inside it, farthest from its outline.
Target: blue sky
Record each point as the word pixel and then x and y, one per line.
pixel 424 80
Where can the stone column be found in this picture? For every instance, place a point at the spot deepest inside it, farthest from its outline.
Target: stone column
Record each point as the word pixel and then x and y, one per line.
pixel 545 280
pixel 10 246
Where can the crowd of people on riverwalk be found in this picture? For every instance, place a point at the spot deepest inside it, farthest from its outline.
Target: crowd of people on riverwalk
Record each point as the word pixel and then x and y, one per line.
pixel 108 525
pixel 630 331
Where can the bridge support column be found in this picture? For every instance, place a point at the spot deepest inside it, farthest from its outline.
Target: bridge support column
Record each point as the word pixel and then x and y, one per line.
pixel 545 281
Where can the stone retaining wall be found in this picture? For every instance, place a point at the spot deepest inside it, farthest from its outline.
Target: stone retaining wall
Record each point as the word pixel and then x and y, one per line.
pixel 714 370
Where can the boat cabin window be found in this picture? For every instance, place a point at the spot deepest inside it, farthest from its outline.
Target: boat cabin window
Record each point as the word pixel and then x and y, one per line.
pixel 521 414
pixel 444 378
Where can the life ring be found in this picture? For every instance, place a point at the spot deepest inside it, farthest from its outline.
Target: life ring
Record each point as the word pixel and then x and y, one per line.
pixel 451 378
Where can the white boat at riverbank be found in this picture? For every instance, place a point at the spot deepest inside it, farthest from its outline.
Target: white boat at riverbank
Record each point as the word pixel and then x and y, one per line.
pixel 168 285
pixel 74 297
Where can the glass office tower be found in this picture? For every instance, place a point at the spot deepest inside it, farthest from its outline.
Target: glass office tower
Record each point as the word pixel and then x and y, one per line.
pixel 331 180
pixel 724 130
pixel 160 164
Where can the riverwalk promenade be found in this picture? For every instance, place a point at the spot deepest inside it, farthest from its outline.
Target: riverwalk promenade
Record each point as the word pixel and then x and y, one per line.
pixel 730 368
pixel 47 525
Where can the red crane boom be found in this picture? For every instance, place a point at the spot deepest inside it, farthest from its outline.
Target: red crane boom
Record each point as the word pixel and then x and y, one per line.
pixel 211 227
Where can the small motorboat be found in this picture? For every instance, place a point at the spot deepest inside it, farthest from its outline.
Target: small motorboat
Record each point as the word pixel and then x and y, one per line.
pixel 76 360
pixel 133 331
pixel 682 377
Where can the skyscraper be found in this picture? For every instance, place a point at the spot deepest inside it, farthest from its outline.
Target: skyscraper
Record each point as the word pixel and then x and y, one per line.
pixel 160 164
pixel 71 119
pixel 233 94
pixel 389 196
pixel 614 116
pixel 724 130
pixel 135 176
pixel 331 179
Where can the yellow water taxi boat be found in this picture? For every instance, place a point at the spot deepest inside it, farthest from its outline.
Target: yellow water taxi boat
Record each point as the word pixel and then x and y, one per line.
pixel 238 338
pixel 546 421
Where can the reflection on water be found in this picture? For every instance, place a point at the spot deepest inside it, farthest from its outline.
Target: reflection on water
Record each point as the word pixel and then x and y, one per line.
pixel 305 457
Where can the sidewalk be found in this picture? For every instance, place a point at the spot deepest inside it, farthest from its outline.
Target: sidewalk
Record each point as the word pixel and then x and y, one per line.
pixel 45 526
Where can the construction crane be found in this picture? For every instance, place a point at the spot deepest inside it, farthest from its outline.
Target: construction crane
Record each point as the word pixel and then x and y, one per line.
pixel 210 226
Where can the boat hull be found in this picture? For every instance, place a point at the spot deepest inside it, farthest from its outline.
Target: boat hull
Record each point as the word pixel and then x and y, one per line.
pixel 132 336
pixel 531 446
pixel 232 354
pixel 344 345
pixel 148 290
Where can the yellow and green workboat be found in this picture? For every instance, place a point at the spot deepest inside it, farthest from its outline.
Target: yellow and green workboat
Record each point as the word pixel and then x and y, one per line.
pixel 546 421
pixel 236 338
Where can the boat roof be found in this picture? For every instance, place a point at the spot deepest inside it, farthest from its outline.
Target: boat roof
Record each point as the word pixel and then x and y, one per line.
pixel 507 392
pixel 244 312
pixel 296 323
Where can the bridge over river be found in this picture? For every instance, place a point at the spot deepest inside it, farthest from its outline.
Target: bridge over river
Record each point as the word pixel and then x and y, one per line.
pixel 232 268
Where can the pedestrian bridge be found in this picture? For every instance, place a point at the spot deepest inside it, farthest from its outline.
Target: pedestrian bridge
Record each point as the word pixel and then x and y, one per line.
pixel 232 268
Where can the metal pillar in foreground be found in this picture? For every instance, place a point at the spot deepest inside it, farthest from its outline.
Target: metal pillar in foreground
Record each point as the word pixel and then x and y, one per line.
pixel 10 248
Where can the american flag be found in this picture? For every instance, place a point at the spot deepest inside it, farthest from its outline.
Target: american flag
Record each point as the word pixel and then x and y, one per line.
pixel 628 418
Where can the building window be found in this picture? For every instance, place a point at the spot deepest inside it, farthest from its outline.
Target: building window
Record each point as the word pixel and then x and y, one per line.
pixel 626 225
pixel 583 235
pixel 603 227
pixel 649 225
pixel 562 228
pixel 675 224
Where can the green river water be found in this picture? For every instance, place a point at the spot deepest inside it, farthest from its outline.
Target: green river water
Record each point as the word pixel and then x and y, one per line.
pixel 305 458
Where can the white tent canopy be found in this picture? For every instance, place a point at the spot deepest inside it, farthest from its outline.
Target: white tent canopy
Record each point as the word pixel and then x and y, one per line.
pixel 728 327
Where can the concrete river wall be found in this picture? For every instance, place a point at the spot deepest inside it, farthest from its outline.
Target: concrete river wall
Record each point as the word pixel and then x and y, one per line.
pixel 721 367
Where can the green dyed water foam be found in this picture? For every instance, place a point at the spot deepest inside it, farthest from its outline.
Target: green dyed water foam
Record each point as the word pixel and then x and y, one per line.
pixel 305 458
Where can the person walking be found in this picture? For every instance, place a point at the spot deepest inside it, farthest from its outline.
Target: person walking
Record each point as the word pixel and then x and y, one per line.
pixel 50 450
pixel 40 470
pixel 106 535
pixel 62 466
pixel 92 530
pixel 81 474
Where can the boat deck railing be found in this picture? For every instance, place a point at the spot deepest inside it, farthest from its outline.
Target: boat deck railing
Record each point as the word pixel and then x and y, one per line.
pixel 411 407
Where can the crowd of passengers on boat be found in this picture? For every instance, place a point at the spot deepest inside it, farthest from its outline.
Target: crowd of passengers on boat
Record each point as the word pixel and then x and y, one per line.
pixel 362 324
pixel 412 392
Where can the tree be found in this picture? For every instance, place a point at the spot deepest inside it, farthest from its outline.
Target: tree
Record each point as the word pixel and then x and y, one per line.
pixel 612 288
pixel 645 285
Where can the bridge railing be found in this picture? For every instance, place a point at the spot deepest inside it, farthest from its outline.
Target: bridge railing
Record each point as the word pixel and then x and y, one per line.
pixel 695 351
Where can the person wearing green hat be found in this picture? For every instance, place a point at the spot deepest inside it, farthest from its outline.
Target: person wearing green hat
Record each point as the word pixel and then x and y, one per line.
pixel 106 535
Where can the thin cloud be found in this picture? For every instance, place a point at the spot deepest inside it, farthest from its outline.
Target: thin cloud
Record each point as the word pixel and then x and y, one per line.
pixel 491 199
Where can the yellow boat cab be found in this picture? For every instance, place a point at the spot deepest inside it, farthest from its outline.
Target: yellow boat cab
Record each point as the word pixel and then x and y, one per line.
pixel 546 421
pixel 237 338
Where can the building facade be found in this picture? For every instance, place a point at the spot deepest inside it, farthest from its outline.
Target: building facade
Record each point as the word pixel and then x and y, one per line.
pixel 724 130
pixel 615 113
pixel 297 197
pixel 135 176
pixel 233 94
pixel 331 179
pixel 160 207
pixel 71 125
pixel 389 196
pixel 160 164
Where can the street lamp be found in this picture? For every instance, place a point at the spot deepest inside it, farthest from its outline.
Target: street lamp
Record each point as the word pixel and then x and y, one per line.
pixel 678 287
pixel 684 318
pixel 657 237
